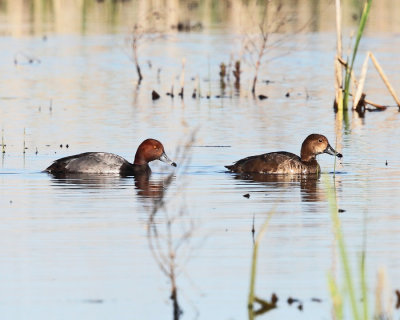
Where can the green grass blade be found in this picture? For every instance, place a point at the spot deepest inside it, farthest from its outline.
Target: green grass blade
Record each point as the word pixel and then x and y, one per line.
pixel 364 286
pixel 342 248
pixel 254 261
pixel 337 298
pixel 363 22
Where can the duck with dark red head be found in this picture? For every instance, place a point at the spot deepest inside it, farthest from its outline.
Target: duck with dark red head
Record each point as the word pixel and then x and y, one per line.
pixel 109 163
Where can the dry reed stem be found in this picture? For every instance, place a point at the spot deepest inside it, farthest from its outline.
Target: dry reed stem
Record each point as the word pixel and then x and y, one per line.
pixel 360 87
pixel 346 66
pixel 383 296
pixel 338 29
pixel 338 80
pixel 338 68
pixel 384 79
pixel 378 106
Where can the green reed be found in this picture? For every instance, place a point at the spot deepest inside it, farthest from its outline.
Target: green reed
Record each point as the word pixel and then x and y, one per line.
pixel 252 297
pixel 338 297
pixel 349 69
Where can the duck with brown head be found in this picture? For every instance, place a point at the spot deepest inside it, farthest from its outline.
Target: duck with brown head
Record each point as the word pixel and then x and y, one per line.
pixel 283 162
pixel 109 163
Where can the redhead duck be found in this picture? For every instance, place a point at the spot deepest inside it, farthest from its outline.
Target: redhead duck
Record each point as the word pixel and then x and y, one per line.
pixel 103 162
pixel 283 162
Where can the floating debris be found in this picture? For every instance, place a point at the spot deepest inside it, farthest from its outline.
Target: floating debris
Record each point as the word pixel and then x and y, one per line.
pixel 291 300
pixel 316 300
pixel 262 97
pixel 155 95
pixel 300 307
pixel 246 195
pixel 187 26
pixel 265 305
pixel 287 95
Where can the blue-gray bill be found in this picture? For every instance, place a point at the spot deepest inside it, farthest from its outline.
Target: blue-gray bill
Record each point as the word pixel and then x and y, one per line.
pixel 333 152
pixel 164 158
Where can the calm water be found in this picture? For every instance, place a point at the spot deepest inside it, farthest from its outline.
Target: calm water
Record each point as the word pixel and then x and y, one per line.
pixel 79 247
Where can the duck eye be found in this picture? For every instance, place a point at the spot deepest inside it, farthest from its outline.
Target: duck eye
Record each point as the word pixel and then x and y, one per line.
pixel 319 140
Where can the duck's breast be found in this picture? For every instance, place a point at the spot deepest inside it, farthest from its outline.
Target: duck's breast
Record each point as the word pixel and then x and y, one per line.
pixel 89 162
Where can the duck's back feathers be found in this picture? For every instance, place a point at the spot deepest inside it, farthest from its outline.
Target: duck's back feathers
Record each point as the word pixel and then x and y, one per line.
pixel 90 162
pixel 280 162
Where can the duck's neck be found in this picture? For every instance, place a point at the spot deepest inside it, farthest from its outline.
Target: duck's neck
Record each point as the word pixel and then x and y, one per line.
pixel 139 160
pixel 306 157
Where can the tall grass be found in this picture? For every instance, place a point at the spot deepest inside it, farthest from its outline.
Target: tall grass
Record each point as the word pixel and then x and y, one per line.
pixel 349 69
pixel 350 291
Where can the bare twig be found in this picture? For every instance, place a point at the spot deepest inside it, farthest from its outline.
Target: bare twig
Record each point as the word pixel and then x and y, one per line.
pixel 166 244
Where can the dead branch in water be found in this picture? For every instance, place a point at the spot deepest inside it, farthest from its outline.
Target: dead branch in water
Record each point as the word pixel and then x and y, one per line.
pixel 136 37
pixel 169 234
pixel 256 47
pixel 139 37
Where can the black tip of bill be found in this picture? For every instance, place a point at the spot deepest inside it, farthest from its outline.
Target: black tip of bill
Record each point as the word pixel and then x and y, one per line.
pixel 174 164
pixel 332 152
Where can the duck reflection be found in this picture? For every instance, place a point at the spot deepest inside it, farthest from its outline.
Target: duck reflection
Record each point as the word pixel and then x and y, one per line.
pixel 149 188
pixel 146 187
pixel 308 183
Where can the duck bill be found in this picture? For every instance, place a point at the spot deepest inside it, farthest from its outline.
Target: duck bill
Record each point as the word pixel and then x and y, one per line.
pixel 332 152
pixel 164 158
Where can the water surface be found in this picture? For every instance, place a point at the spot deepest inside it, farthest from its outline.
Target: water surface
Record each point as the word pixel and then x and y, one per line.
pixel 79 247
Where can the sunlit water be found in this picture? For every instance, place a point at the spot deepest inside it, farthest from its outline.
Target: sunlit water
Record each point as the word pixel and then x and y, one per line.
pixel 79 247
